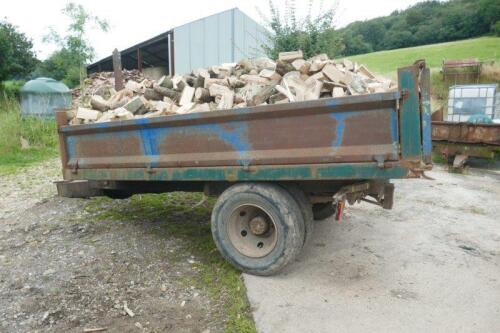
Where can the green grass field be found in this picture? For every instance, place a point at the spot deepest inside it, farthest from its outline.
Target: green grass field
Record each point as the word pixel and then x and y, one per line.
pixel 386 62
pixel 41 135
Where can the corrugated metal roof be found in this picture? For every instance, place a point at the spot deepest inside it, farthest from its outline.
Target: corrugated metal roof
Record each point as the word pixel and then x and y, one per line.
pixel 227 36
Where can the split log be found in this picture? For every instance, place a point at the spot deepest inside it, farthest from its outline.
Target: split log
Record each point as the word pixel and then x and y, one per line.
pixel 202 95
pixel 179 83
pixel 152 94
pixel 199 82
pixel 217 90
pixel 313 90
pixel 226 100
pixel 364 71
pixel 262 95
pixel 187 95
pixel 338 92
pixel 134 86
pixel 88 114
pixel 170 93
pixel 283 67
pixel 290 56
pixel 165 82
pixel 99 103
pixel 235 83
pixel 254 79
pixel 349 65
pixel 301 65
pixel 210 82
pixel 135 104
pixel 334 74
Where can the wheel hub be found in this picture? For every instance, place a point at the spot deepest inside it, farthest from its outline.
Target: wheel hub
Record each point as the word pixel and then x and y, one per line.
pixel 252 231
pixel 258 225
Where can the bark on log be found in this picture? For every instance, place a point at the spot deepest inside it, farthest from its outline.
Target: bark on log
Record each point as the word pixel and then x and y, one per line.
pixel 262 96
pixel 201 95
pixel 172 94
pixel 153 94
pixel 283 67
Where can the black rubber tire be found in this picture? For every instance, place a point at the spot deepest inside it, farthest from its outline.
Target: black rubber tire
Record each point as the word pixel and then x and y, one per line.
pixel 324 210
pixel 287 217
pixel 306 208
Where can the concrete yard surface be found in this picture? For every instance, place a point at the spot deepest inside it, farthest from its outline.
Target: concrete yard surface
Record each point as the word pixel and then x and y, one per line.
pixel 432 264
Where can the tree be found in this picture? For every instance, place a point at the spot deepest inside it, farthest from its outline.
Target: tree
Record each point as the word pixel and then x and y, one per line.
pixel 17 58
pixel 496 28
pixel 312 34
pixel 426 22
pixel 75 49
pixel 356 44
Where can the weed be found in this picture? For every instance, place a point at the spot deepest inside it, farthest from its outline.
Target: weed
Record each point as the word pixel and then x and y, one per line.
pixel 41 135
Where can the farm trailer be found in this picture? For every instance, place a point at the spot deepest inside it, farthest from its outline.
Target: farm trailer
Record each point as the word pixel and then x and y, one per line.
pixel 459 141
pixel 274 168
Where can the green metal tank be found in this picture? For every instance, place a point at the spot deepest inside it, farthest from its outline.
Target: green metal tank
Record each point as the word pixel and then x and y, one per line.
pixel 39 97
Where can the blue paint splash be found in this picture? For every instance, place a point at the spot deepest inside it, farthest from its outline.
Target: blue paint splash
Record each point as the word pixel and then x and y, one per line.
pixel 340 126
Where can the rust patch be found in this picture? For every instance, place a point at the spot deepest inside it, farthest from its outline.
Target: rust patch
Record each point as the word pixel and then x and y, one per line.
pixel 108 146
pixel 307 131
pixel 368 128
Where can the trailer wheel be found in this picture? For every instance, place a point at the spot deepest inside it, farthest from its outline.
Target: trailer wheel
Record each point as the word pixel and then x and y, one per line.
pixel 305 207
pixel 258 227
pixel 324 210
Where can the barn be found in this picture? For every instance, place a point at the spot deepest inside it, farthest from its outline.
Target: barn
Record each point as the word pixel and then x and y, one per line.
pixel 225 37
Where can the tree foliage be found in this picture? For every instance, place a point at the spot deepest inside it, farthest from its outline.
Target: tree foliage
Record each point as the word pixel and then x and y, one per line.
pixel 17 58
pixel 424 23
pixel 75 50
pixel 313 34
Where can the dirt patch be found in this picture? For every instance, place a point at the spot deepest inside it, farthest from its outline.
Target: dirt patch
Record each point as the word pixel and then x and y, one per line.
pixel 70 264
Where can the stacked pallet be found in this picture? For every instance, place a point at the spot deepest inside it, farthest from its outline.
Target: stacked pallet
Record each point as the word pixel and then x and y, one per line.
pixel 250 82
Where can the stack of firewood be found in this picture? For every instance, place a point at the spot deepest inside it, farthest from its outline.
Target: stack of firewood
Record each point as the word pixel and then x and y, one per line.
pixel 250 82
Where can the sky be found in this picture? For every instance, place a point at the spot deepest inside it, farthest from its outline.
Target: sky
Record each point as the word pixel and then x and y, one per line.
pixel 132 23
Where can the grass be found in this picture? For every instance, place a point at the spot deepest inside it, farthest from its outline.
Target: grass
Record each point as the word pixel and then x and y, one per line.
pixel 176 217
pixel 486 49
pixel 40 133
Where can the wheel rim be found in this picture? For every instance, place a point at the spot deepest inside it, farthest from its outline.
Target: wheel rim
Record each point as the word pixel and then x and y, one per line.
pixel 252 231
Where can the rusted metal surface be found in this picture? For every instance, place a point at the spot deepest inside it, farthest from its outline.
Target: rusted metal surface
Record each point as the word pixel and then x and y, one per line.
pixel 334 171
pixel 461 70
pixel 448 149
pixel 466 133
pixel 353 129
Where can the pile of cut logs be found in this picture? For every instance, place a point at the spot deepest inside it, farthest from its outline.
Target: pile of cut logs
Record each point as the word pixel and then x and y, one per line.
pixel 250 82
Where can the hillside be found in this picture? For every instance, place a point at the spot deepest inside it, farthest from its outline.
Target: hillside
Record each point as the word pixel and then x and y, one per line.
pixel 426 22
pixel 386 62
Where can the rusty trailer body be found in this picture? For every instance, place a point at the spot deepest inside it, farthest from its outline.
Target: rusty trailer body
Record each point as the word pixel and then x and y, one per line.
pixel 465 140
pixel 320 147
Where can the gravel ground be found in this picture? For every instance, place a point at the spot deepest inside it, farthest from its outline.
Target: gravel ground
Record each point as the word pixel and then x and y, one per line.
pixel 431 264
pixel 65 268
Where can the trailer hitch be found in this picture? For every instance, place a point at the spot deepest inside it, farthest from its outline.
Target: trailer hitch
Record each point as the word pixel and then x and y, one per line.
pixel 381 192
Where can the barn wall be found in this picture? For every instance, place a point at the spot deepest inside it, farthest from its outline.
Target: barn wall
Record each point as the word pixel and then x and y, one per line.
pixel 224 37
